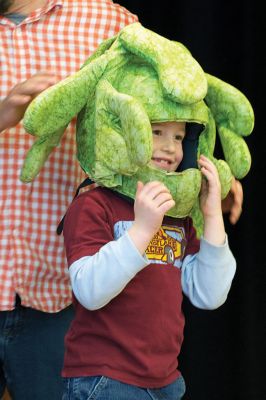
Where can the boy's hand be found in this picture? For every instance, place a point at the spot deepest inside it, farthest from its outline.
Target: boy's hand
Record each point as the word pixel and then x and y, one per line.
pixel 13 107
pixel 152 201
pixel 210 195
pixel 210 203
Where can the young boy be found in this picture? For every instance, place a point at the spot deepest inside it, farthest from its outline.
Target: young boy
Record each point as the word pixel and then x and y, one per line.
pixel 128 267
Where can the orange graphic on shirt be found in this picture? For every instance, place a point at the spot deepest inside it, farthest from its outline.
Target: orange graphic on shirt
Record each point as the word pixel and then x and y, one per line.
pixel 167 245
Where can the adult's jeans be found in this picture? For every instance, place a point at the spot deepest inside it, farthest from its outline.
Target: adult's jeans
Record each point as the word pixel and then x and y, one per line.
pixel 31 352
pixel 104 388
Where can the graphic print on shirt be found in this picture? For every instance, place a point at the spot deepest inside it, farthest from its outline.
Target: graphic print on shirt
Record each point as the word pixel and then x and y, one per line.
pixel 166 247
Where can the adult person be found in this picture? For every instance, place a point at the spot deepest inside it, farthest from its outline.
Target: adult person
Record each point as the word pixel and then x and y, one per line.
pixel 41 43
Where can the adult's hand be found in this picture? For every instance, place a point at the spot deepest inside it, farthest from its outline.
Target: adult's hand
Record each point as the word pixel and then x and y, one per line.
pixel 233 202
pixel 13 107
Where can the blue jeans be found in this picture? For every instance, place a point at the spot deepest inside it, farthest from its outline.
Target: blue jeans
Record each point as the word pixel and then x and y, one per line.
pixel 31 353
pixel 103 388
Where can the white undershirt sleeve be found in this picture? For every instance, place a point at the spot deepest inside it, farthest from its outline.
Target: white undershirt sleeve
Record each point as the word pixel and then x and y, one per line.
pixel 97 279
pixel 208 274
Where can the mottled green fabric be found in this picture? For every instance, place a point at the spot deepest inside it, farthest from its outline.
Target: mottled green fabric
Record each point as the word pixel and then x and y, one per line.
pixel 132 80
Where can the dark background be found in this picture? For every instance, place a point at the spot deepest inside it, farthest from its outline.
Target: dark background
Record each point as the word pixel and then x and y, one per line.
pixel 224 352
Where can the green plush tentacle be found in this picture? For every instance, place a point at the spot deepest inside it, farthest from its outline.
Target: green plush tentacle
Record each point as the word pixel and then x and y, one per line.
pixel 135 123
pixel 207 137
pixel 121 136
pixel 38 154
pixel 236 152
pixel 225 176
pixel 229 106
pixel 101 49
pixel 197 218
pixel 184 186
pixel 181 76
pixel 49 114
pixel 56 106
pixel 234 118
pixel 129 145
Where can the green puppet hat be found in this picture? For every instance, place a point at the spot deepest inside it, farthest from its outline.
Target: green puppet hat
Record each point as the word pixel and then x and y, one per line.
pixel 132 80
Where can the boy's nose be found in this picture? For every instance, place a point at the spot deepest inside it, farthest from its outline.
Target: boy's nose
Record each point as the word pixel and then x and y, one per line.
pixel 169 145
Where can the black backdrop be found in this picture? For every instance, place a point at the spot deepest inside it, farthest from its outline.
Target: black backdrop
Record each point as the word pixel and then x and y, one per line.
pixel 224 352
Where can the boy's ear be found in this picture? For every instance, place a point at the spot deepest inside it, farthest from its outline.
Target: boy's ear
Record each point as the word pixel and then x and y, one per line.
pixel 182 78
pixel 234 119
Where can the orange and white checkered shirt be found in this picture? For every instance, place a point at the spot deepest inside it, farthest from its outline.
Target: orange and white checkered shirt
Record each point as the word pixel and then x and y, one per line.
pixel 58 38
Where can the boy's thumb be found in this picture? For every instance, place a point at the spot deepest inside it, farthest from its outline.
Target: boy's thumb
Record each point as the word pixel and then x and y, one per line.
pixel 139 187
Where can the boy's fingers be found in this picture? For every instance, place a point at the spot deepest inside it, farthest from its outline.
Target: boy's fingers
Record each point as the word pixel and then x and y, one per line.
pixel 139 187
pixel 167 205
pixel 162 198
pixel 154 188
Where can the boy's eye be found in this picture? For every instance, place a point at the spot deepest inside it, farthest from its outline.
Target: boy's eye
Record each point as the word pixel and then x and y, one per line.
pixel 156 132
pixel 179 138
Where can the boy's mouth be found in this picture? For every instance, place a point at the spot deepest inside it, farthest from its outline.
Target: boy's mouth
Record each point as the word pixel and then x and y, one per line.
pixel 161 163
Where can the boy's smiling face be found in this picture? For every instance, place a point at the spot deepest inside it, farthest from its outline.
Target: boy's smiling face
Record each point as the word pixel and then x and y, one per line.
pixel 167 144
